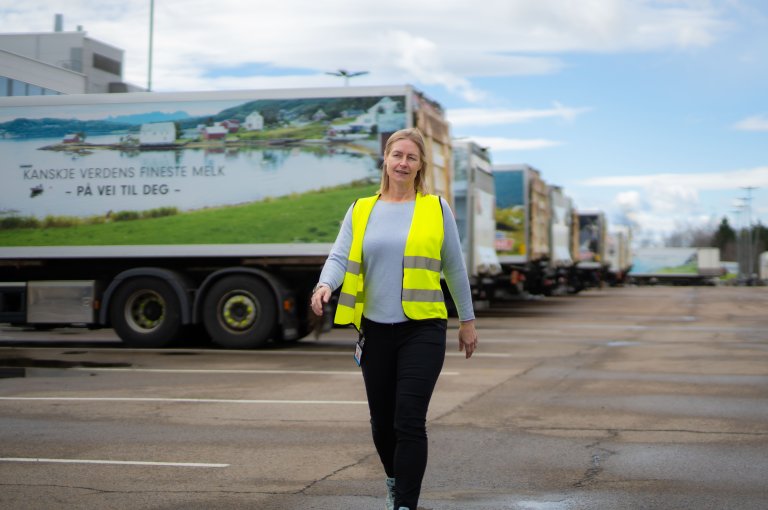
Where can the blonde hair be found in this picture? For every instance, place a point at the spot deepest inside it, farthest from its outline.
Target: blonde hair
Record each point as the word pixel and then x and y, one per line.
pixel 421 183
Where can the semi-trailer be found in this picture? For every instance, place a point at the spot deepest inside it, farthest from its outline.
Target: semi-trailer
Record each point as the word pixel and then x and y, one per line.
pixel 158 214
pixel 591 258
pixel 474 205
pixel 618 254
pixel 523 229
pixel 676 266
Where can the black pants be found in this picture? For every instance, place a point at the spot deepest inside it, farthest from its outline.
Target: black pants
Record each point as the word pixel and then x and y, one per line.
pixel 401 363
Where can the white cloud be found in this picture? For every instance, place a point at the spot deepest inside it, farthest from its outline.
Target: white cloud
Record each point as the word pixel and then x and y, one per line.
pixel 628 200
pixel 660 204
pixel 697 181
pixel 421 59
pixel 434 42
pixel 753 123
pixel 498 144
pixel 461 117
pixel 670 199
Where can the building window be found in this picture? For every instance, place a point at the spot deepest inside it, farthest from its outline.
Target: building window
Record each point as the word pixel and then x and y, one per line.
pixel 107 64
pixel 11 87
pixel 18 88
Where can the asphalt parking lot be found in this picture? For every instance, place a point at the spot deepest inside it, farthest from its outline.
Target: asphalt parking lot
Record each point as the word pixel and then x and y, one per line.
pixel 620 398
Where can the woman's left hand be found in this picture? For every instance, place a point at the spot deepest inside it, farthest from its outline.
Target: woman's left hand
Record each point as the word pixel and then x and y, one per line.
pixel 320 297
pixel 467 337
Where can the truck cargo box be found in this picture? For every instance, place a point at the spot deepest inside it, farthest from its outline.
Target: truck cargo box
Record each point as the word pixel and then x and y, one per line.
pixel 522 214
pixel 561 235
pixel 474 206
pixel 198 168
pixel 676 265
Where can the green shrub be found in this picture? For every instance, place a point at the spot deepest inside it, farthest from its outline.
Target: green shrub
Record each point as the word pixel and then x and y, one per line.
pixel 160 212
pixel 60 221
pixel 95 220
pixel 125 216
pixel 13 222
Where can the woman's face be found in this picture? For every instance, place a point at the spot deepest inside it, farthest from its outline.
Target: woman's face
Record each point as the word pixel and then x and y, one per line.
pixel 403 164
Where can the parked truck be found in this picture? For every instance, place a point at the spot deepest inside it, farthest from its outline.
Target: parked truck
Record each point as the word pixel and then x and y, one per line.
pixel 618 254
pixel 158 214
pixel 523 229
pixel 562 242
pixel 763 268
pixel 591 262
pixel 676 266
pixel 474 206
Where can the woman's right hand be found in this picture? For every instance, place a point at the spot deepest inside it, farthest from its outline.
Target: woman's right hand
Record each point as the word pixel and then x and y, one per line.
pixel 320 297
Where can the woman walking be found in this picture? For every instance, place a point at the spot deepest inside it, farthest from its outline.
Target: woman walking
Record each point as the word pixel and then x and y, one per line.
pixel 387 259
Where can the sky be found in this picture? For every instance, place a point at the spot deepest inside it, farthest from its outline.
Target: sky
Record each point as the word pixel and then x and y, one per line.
pixel 653 111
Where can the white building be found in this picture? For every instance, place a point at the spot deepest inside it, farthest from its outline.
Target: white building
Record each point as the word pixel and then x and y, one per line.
pixel 59 62
pixel 254 122
pixel 384 115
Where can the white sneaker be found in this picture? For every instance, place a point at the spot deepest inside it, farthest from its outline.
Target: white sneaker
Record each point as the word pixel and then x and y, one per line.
pixel 390 503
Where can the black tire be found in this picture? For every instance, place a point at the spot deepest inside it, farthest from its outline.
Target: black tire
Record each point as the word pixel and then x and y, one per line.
pixel 146 312
pixel 239 312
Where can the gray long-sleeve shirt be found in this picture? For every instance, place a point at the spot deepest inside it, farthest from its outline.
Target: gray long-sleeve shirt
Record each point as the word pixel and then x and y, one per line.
pixel 383 248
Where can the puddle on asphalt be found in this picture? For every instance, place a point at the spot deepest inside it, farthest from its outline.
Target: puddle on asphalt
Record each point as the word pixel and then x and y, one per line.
pixel 486 501
pixel 511 503
pixel 28 367
pixel 621 343
pixel 8 373
pixel 541 505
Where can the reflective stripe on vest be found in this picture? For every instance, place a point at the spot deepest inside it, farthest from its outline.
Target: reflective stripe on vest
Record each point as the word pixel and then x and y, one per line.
pixel 349 309
pixel 422 296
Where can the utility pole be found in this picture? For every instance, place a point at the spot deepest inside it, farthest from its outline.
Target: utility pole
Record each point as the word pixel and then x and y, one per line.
pixel 750 249
pixel 739 238
pixel 151 37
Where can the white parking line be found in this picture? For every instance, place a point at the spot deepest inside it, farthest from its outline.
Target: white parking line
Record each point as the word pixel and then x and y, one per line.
pixel 477 354
pixel 119 462
pixel 188 400
pixel 261 352
pixel 450 353
pixel 229 371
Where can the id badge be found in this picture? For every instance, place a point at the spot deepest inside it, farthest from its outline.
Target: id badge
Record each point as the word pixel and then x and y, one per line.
pixel 359 349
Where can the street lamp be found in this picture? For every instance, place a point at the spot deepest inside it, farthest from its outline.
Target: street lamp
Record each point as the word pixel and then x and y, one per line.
pixel 151 34
pixel 343 73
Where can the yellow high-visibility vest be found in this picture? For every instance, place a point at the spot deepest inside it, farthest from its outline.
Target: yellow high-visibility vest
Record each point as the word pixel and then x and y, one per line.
pixel 422 296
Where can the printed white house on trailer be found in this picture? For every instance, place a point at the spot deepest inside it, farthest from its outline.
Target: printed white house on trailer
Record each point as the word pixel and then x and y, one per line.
pixel 254 122
pixel 158 133
pixel 385 116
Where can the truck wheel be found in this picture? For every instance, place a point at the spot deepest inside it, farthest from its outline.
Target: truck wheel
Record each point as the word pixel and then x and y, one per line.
pixel 239 312
pixel 146 312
